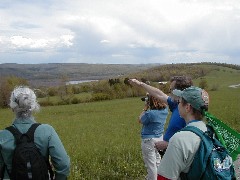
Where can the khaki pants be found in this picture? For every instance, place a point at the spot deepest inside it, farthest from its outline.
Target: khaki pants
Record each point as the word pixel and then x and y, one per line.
pixel 151 157
pixel 237 167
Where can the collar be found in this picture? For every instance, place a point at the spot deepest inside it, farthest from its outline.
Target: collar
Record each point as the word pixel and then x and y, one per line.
pixel 193 121
pixel 29 120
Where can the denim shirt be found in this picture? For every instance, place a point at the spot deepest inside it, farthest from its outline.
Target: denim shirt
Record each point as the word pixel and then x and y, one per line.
pixel 47 141
pixel 153 123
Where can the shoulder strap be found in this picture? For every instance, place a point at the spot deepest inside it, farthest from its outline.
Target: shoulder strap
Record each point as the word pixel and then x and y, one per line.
pixel 30 133
pixel 2 170
pixel 206 136
pixel 207 146
pixel 31 130
pixel 193 129
pixel 16 133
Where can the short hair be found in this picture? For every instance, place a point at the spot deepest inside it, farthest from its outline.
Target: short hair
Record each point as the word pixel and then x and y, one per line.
pixel 182 82
pixel 23 101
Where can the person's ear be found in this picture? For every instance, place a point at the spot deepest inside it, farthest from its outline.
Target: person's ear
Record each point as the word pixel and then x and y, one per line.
pixel 188 107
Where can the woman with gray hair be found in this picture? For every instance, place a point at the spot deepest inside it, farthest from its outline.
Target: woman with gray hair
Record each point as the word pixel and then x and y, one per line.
pixel 23 103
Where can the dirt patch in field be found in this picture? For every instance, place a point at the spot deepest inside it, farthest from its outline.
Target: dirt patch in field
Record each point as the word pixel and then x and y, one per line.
pixel 235 86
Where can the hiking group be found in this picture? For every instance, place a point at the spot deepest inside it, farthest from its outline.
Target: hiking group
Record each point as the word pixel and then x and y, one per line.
pixel 30 150
pixel 189 147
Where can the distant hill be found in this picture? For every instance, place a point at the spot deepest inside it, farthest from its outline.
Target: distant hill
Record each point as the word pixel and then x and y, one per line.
pixel 53 73
pixel 194 70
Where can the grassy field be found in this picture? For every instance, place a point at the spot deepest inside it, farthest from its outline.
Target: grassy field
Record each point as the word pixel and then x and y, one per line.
pixel 103 138
pixel 225 101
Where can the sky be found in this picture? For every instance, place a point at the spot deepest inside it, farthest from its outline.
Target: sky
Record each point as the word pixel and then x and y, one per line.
pixel 119 31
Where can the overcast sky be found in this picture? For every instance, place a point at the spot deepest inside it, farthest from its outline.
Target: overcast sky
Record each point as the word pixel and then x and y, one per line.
pixel 119 31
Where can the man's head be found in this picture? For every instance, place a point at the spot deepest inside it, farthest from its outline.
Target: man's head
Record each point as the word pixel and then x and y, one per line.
pixel 198 98
pixel 180 82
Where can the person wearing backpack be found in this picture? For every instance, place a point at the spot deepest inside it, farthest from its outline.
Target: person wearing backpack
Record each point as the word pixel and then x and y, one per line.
pixel 26 146
pixel 190 151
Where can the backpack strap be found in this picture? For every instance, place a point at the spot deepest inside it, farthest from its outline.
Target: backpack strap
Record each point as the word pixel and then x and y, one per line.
pixel 15 132
pixel 195 130
pixel 2 170
pixel 206 142
pixel 31 130
pixel 30 134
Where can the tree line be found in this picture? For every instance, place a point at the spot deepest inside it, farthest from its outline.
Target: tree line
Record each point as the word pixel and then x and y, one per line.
pixel 114 88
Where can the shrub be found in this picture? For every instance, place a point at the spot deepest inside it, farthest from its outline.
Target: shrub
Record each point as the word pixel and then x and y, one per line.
pixel 46 103
pixel 75 100
pixel 214 87
pixel 203 83
pixel 52 91
pixel 100 97
pixel 63 103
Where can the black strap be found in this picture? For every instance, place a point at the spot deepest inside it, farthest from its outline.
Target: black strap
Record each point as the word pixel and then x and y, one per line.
pixel 2 170
pixel 31 131
pixel 16 133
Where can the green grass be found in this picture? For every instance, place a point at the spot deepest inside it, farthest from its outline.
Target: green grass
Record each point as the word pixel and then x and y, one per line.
pixel 103 138
pixel 225 101
pixel 223 77
pixel 84 97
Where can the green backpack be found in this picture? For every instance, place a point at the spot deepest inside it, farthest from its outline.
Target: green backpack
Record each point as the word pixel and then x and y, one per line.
pixel 212 160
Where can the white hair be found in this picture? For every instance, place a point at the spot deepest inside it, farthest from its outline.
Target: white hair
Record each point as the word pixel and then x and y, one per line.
pixel 23 101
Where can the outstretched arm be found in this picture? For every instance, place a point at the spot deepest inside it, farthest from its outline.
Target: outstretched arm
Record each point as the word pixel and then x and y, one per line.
pixel 155 92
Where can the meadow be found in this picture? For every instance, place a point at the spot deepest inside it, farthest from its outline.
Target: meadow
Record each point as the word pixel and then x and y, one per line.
pixel 103 138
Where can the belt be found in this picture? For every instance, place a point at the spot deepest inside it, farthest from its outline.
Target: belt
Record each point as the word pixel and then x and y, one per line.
pixel 147 139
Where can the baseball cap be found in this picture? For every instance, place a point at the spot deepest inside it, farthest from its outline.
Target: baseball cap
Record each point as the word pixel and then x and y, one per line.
pixel 197 97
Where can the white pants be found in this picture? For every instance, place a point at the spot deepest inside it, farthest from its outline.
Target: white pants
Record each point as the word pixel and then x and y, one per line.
pixel 237 167
pixel 151 157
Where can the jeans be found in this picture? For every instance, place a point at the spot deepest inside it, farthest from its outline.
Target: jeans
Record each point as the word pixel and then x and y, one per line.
pixel 151 157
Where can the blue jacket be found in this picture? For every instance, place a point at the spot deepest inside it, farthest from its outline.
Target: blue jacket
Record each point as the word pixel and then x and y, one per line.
pixel 45 138
pixel 153 123
pixel 176 122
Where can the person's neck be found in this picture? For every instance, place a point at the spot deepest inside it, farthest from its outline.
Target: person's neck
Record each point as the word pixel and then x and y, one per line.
pixel 189 118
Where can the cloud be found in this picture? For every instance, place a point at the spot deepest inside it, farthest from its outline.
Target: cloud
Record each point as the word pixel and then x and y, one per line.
pixel 105 31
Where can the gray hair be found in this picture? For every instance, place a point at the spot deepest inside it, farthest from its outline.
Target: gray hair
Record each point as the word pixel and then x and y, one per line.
pixel 23 101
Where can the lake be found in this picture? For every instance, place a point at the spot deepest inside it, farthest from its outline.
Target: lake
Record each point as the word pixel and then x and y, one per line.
pixel 78 82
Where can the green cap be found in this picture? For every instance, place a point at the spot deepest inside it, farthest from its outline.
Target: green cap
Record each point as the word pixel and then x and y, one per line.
pixel 197 97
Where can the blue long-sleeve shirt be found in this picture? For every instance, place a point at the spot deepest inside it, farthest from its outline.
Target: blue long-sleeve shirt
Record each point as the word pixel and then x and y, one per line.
pixel 176 122
pixel 47 141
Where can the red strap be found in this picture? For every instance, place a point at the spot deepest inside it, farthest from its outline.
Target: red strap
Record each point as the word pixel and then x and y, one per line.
pixel 159 177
